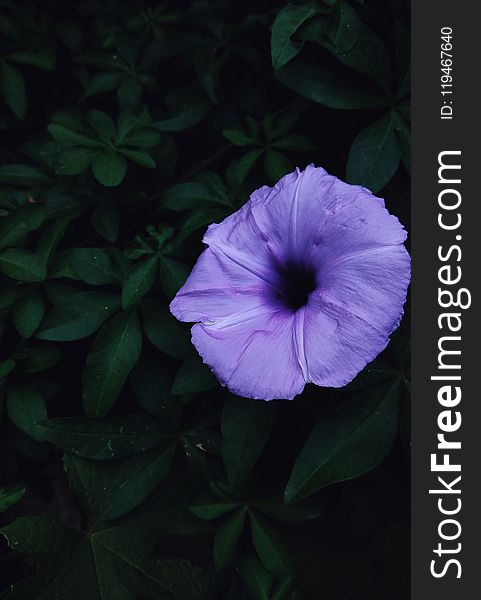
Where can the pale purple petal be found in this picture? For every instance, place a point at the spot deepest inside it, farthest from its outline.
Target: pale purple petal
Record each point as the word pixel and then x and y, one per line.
pixel 253 354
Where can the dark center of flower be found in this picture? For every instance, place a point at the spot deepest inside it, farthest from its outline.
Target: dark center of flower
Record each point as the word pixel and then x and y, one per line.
pixel 298 281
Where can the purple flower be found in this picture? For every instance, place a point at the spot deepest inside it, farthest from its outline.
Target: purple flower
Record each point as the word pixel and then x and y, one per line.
pixel 304 283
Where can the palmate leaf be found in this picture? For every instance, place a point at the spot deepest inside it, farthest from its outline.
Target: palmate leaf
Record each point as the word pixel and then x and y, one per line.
pixel 110 561
pixel 111 490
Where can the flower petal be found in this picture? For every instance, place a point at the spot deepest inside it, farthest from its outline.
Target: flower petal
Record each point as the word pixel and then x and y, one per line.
pixel 370 285
pixel 338 344
pixel 255 357
pixel 217 287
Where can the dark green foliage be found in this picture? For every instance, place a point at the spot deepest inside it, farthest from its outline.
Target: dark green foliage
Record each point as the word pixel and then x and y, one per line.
pixel 126 470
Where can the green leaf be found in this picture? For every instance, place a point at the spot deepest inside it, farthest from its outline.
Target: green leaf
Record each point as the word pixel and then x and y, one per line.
pixel 227 538
pixel 193 377
pixel 77 138
pixel 138 281
pixel 138 156
pixel 238 137
pixel 111 490
pixel 270 546
pixel 22 264
pixel 186 110
pixel 38 358
pixel 104 438
pixel 28 313
pixel 78 316
pixel 109 168
pixel 91 265
pixel 185 196
pixel 102 83
pixel 256 579
pixel 111 561
pixel 102 124
pixel 20 222
pixel 44 59
pixel 151 383
pixel 164 331
pixel 23 175
pixel 287 22
pixel 105 220
pixel 10 495
pixel 49 240
pixel 245 164
pixel 335 89
pixel 12 88
pixel 374 155
pixel 74 161
pixel 293 142
pixel 246 426
pixel 210 510
pixel 276 165
pixel 173 274
pixel 25 408
pixel 142 138
pixel 350 441
pixel 115 351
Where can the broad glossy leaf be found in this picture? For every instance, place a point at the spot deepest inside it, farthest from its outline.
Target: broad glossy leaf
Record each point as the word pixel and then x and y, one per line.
pixel 91 265
pixel 333 88
pixel 20 221
pixel 138 156
pixel 246 426
pixel 49 240
pixel 245 164
pixel 22 265
pixel 78 316
pixel 173 274
pixel 151 383
pixel 74 161
pixel 164 331
pixel 185 196
pixel 287 22
pixel 140 279
pixel 104 438
pixel 115 351
pixel 193 377
pixel 375 154
pixel 28 313
pixel 25 408
pixel 109 168
pixel 350 441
